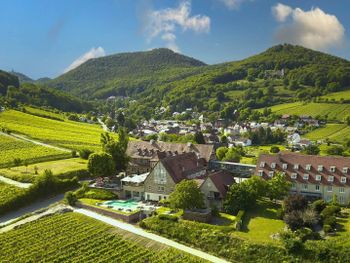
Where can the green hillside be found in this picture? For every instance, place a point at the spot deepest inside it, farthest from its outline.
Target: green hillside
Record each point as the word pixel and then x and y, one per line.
pixel 125 73
pixel 334 132
pixel 333 111
pixel 6 80
pixel 22 77
pixel 342 96
pixel 281 74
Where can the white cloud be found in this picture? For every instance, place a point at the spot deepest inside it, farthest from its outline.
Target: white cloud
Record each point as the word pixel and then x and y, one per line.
pixel 232 4
pixel 313 29
pixel 92 53
pixel 281 12
pixel 164 23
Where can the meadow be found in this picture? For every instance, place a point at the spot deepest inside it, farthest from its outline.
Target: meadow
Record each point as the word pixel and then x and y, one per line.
pixel 27 174
pixel 72 237
pixel 11 148
pixel 334 132
pixel 338 96
pixel 332 110
pixel 67 134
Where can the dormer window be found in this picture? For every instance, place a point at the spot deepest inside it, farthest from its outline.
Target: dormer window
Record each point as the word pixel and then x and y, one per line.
pixel 271 173
pixel 318 177
pixel 332 169
pixel 285 166
pixel 294 175
pixel 296 166
pixel 345 170
pixel 308 167
pixel 273 165
pixel 330 178
pixel 306 176
pixel 260 172
pixel 343 179
pixel 320 168
pixel 262 164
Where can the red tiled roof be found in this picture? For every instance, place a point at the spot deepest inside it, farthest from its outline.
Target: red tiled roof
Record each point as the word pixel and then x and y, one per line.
pixel 222 181
pixel 181 166
pixel 302 160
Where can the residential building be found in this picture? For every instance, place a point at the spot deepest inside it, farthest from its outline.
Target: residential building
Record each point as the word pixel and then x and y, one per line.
pixel 145 155
pixel 311 175
pixel 133 186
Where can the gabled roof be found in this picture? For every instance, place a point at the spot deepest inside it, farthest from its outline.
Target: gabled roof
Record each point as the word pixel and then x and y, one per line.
pixel 180 166
pixel 222 181
pixel 149 150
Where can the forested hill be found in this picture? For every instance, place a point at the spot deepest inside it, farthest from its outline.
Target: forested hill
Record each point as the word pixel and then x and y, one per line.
pixel 22 77
pixel 112 75
pixel 12 93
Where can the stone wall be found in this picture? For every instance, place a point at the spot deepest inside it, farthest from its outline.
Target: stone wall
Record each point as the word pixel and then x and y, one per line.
pixel 199 216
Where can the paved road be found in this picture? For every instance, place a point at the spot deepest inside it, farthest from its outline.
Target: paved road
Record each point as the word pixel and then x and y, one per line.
pixel 9 217
pixel 24 138
pixel 138 231
pixel 15 183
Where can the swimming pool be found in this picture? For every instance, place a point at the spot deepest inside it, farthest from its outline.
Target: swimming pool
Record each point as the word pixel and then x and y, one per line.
pixel 123 204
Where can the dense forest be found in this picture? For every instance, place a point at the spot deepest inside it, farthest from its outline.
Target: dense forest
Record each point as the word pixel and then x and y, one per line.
pixel 12 93
pixel 145 81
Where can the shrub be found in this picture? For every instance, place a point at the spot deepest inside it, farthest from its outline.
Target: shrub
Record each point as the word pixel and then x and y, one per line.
pixel 319 205
pixel 294 219
pixel 100 194
pixel 74 153
pixel 85 153
pixel 327 228
pixel 274 149
pixel 330 211
pixel 295 203
pixel 310 217
pixel 70 198
pixel 214 210
pixel 280 213
pixel 168 217
pixel 291 242
pixel 330 220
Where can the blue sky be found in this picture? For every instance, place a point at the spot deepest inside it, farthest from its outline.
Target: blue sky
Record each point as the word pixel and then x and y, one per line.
pixel 46 38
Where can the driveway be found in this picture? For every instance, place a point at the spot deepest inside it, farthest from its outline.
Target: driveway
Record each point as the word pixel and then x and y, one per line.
pixel 138 231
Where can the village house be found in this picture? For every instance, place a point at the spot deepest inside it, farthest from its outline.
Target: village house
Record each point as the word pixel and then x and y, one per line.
pixel 311 175
pixel 145 155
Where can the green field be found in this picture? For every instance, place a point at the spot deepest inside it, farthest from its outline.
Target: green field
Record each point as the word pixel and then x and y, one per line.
pixel 337 96
pixel 44 113
pixel 7 193
pixel 332 110
pixel 253 152
pixel 68 134
pixel 334 132
pixel 11 148
pixel 73 237
pixel 27 174
pixel 261 222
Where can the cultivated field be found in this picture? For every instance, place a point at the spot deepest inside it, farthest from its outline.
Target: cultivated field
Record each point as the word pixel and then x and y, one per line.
pixel 7 193
pixel 11 148
pixel 332 110
pixel 68 134
pixel 334 132
pixel 73 237
pixel 27 174
pixel 338 96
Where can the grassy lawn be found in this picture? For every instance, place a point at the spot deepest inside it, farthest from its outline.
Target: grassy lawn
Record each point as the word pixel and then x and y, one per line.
pixel 253 152
pixel 57 167
pixel 261 222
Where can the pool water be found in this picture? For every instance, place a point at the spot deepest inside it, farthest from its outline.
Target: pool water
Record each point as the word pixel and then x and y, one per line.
pixel 128 204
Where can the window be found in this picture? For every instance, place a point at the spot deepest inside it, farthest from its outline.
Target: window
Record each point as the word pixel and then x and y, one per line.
pixel 271 173
pixel 318 177
pixel 306 176
pixel 329 188
pixel 159 175
pixel 160 188
pixel 332 169
pixel 343 179
pixel 305 186
pixel 296 166
pixel 341 199
pixel 317 187
pixel 260 172
pixel 149 187
pixel 273 165
pixel 294 185
pixel 320 168
pixel 262 164
pixel 308 167
pixel 294 175
pixel 329 198
pixel 345 170
pixel 330 178
pixel 342 190
pixel 285 166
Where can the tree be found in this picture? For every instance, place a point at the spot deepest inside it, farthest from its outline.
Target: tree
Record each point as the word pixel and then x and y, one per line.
pixel 101 164
pixel 294 202
pixel 121 119
pixel 232 155
pixel 221 152
pixel 17 161
pixel 274 149
pixel 312 149
pixel 186 195
pixel 70 198
pixel 278 187
pixel 117 149
pixel 335 150
pixel 199 138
